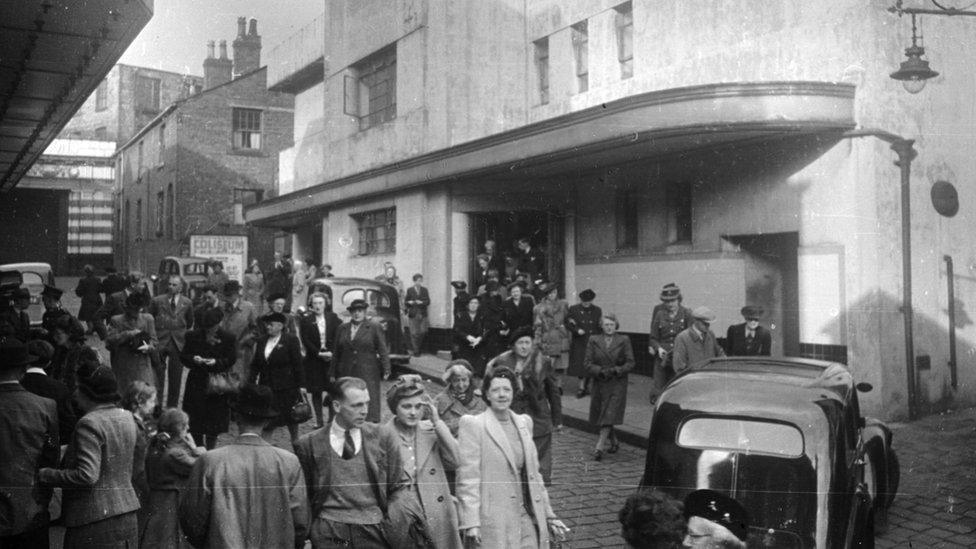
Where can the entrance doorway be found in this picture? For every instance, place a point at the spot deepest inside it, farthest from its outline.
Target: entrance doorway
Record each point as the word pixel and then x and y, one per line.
pixel 543 229
pixel 772 282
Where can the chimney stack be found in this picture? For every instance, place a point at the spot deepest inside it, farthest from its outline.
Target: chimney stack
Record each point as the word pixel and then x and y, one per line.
pixel 217 71
pixel 247 47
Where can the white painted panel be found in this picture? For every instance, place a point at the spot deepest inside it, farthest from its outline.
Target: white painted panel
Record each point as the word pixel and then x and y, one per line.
pixel 821 297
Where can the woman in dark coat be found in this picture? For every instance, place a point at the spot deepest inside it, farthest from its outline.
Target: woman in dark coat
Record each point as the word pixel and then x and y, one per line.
pixel 277 364
pixel 91 300
pixel 609 357
pixel 471 335
pixel 208 350
pixel 361 351
pixel 582 321
pixel 317 330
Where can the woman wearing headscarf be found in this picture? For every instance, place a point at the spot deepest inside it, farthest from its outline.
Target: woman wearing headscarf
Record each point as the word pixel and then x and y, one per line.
pixel 420 509
pixel 609 358
pixel 132 342
pixel 459 398
pixel 172 453
pixel 504 502
pixel 208 350
pixel 536 394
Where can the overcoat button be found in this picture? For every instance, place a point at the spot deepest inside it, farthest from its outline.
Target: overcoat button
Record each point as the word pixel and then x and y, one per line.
pixel 433 471
pixel 440 499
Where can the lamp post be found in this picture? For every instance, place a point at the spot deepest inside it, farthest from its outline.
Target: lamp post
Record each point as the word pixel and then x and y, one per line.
pixel 905 150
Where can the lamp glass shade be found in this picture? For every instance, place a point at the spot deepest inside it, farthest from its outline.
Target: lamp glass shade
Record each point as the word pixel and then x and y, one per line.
pixel 913 86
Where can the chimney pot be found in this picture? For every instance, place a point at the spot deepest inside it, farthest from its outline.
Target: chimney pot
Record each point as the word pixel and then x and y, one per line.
pixel 210 49
pixel 253 30
pixel 241 24
pixel 223 49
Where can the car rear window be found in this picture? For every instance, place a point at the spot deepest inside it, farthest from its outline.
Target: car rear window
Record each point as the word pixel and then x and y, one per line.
pixel 740 435
pixel 195 269
pixel 375 298
pixel 32 280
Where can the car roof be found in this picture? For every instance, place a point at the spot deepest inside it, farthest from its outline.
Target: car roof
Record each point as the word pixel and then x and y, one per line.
pixel 789 389
pixel 352 281
pixel 188 259
pixel 29 267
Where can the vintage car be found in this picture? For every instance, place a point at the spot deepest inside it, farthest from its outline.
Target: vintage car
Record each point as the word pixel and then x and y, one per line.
pixel 193 270
pixel 384 307
pixel 783 436
pixel 33 277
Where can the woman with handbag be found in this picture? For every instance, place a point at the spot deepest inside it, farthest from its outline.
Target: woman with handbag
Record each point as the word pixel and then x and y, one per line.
pixel 277 364
pixel 609 357
pixel 209 353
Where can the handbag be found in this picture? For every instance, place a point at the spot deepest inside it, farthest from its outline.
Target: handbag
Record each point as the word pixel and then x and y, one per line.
pixel 222 383
pixel 301 411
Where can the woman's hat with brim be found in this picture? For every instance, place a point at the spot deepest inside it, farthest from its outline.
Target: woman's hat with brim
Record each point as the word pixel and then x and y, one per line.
pixel 459 285
pixel 275 297
pixel 670 292
pixel 587 295
pixel 232 288
pixel 52 292
pixel 100 385
pixel 750 312
pixel 255 402
pixel 720 509
pixel 524 331
pixel 468 298
pixel 547 287
pixel 41 350
pixel 14 354
pixel 357 304
pixel 275 317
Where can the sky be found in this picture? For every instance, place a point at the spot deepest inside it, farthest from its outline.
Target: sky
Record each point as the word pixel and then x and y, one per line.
pixel 175 39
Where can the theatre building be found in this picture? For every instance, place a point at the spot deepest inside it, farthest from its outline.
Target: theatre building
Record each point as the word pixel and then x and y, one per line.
pixel 742 152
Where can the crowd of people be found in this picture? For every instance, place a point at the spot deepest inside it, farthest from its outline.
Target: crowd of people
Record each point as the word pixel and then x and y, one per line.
pixel 132 447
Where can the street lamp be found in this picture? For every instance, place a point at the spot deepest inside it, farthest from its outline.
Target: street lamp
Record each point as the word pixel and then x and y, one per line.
pixel 914 71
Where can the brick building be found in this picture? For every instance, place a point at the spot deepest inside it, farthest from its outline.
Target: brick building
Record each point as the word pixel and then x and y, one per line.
pixel 192 168
pixel 126 100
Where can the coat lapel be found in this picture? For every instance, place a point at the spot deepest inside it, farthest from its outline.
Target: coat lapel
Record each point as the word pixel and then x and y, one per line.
pixel 425 444
pixel 496 433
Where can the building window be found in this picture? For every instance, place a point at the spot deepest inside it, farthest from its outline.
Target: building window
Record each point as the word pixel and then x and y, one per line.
pixel 624 22
pixel 147 95
pixel 370 93
pixel 581 54
pixel 160 213
pixel 678 203
pixel 627 220
pixel 139 218
pixel 242 198
pixel 246 125
pixel 162 145
pixel 542 68
pixel 377 231
pixel 101 133
pixel 101 96
pixel 170 212
pixel 139 161
pixel 127 219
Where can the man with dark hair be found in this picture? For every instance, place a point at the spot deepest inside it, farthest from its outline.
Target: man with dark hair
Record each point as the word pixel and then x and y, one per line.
pixel 247 493
pixel 38 382
pixel 28 441
pixel 651 519
pixel 749 338
pixel 346 483
pixel 173 315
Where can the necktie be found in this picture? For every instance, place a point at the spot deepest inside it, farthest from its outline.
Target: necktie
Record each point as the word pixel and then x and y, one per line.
pixel 750 334
pixel 173 303
pixel 348 447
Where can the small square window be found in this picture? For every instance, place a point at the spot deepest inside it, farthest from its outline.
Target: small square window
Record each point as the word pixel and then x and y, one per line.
pixel 542 68
pixel 147 95
pixel 377 231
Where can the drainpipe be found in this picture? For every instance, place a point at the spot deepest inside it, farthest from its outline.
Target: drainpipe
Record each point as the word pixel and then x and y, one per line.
pixel 906 153
pixel 951 289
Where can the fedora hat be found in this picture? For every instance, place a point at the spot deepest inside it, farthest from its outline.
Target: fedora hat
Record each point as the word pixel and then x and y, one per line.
pixel 100 385
pixel 752 312
pixel 13 353
pixel 357 304
pixel 232 287
pixel 255 401
pixel 52 292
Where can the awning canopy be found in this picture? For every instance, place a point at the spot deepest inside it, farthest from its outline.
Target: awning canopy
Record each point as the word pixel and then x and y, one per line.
pixel 53 55
pixel 646 127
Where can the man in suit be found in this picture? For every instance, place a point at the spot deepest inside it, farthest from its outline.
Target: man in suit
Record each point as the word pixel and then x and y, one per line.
pixel 748 338
pixel 173 313
pixel 247 493
pixel 346 484
pixel 495 261
pixel 417 300
pixel 361 352
pixel 28 441
pixel 115 302
pixel 38 382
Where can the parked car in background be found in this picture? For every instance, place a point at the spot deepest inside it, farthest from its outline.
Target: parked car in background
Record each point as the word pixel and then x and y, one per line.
pixel 33 276
pixel 193 270
pixel 384 307
pixel 784 437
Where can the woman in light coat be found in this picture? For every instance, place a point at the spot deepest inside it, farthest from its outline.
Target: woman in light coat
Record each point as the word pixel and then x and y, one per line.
pixel 550 327
pixel 420 509
pixel 609 358
pixel 299 287
pixel 497 457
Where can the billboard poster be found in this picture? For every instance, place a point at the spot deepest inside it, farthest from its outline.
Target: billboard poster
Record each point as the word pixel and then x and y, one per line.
pixel 231 250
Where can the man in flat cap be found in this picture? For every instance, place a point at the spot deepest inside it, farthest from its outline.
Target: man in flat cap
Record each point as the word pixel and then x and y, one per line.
pixel 697 342
pixel 668 319
pixel 748 338
pixel 715 521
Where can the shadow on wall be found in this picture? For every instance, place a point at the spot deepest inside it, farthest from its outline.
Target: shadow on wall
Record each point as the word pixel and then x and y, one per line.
pixel 875 329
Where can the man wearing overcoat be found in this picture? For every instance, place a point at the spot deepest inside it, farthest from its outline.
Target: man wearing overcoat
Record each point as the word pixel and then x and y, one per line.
pixel 361 351
pixel 697 343
pixel 173 315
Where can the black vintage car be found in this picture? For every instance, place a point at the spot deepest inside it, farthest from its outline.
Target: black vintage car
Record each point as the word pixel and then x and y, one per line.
pixel 384 307
pixel 784 437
